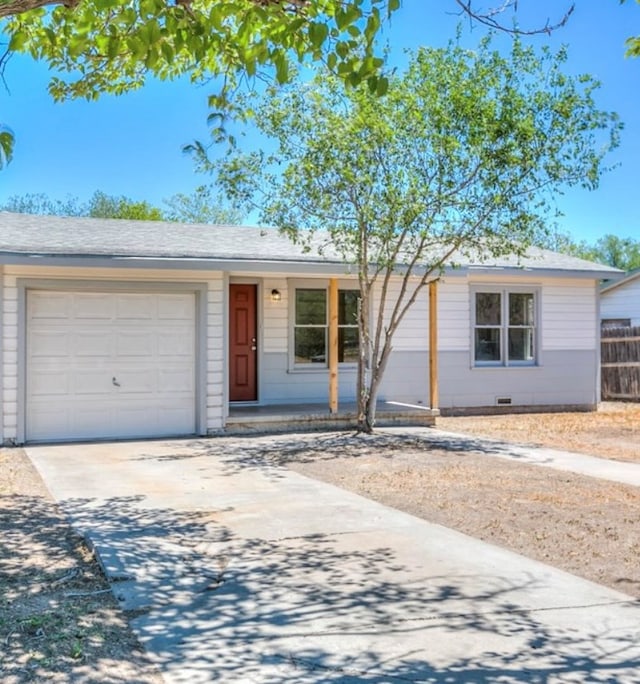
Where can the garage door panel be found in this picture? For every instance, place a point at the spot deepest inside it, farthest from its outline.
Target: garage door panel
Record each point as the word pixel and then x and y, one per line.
pixel 180 307
pixel 50 383
pixel 175 380
pixel 136 307
pixel 75 352
pixel 91 382
pixel 136 382
pixel 173 414
pixel 134 343
pixel 49 343
pixel 93 344
pixel 175 344
pixel 90 306
pixel 48 419
pixel 50 306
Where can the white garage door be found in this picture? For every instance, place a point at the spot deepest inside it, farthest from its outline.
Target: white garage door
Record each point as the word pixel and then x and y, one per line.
pixel 110 365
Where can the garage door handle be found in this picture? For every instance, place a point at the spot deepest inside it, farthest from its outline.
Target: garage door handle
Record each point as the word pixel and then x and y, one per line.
pixel 115 382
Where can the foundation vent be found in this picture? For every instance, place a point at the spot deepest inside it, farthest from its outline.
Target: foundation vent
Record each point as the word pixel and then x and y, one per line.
pixel 503 401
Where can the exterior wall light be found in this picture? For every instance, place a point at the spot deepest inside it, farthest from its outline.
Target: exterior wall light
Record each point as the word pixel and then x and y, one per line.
pixel 275 295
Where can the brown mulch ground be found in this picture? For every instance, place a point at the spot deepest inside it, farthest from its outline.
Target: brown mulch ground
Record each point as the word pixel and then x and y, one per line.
pixel 58 624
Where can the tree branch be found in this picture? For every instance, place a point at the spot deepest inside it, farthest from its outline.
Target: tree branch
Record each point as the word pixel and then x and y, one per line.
pixel 491 18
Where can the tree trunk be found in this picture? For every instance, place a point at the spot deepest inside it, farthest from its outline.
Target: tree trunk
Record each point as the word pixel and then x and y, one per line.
pixel 369 419
pixel 364 362
pixel 13 7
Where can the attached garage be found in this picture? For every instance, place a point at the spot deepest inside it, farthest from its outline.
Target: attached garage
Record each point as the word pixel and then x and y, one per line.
pixel 109 364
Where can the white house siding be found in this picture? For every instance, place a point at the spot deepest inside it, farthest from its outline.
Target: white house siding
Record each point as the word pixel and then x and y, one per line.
pixel 566 374
pixel 622 301
pixel 568 355
pixel 569 316
pixel 9 377
pixel 215 324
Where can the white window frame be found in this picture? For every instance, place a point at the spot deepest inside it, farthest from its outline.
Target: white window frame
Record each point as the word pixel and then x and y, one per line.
pixel 314 285
pixel 504 291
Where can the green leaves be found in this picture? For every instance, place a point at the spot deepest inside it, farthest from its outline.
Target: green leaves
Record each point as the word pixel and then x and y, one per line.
pixel 113 45
pixel 465 149
pixel 6 145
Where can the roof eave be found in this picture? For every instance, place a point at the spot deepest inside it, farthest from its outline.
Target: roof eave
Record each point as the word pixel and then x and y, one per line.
pixel 534 272
pixel 634 275
pixel 276 266
pixel 176 263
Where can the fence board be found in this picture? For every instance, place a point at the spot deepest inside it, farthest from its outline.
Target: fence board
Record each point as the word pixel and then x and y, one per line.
pixel 620 363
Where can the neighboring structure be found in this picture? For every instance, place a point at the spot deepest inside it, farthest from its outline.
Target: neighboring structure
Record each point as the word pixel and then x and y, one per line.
pixel 114 329
pixel 620 301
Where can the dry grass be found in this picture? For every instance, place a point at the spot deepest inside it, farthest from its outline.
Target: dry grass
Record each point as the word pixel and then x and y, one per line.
pixel 611 432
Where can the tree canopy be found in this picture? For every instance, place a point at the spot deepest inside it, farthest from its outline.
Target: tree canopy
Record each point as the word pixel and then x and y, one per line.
pixel 111 46
pixel 459 158
pixel 201 206
pixel 619 252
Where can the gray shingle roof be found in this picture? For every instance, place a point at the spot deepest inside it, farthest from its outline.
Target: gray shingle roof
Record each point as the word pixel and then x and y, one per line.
pixel 30 235
pixel 621 279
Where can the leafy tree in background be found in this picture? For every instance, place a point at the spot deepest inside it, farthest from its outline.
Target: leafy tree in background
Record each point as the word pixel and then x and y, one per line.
pixel 39 203
pixel 457 159
pixel 201 206
pixel 102 205
pixel 623 253
pixel 619 252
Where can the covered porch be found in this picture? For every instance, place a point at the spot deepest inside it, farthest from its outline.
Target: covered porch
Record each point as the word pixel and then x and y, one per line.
pixel 317 416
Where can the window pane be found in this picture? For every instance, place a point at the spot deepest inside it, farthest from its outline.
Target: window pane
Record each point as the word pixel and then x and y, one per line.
pixel 310 345
pixel 521 344
pixel 348 307
pixel 348 345
pixel 521 309
pixel 488 308
pixel 487 344
pixel 311 307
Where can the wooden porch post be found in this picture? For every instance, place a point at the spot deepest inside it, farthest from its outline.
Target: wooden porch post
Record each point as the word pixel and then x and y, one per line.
pixel 333 345
pixel 433 344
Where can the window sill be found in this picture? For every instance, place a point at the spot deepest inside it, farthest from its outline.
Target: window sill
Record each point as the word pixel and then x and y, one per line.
pixel 501 366
pixel 304 370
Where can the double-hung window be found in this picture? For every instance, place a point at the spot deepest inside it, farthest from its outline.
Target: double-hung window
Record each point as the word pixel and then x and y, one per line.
pixel 311 326
pixel 504 328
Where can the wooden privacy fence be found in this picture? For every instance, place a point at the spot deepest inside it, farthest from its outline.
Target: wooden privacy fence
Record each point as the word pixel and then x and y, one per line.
pixel 620 363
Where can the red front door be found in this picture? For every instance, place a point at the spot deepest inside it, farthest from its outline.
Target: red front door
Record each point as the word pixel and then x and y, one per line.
pixel 242 343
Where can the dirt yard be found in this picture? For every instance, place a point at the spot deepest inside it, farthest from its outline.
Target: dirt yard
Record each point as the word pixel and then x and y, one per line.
pixel 58 619
pixel 612 432
pixel 58 622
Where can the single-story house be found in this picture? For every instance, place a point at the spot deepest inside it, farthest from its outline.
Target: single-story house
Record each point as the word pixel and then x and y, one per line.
pixel 120 329
pixel 620 301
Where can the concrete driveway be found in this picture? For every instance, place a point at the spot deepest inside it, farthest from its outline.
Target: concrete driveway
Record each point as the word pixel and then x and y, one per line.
pixel 239 571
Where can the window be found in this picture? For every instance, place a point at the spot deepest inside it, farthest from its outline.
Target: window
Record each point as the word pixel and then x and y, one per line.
pixel 616 322
pixel 504 328
pixel 311 326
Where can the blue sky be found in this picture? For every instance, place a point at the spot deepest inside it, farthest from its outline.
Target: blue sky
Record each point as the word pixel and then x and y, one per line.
pixel 131 145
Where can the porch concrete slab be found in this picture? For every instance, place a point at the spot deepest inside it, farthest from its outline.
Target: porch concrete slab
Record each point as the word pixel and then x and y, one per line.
pixel 243 571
